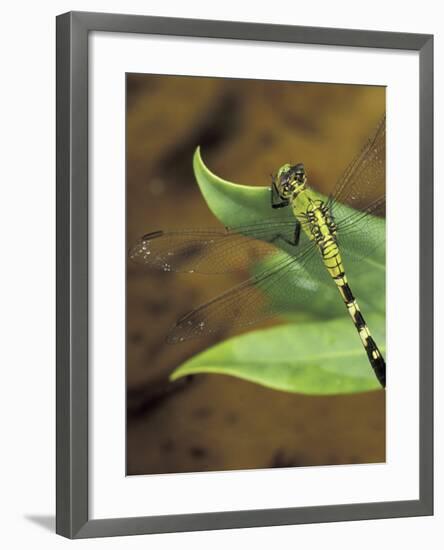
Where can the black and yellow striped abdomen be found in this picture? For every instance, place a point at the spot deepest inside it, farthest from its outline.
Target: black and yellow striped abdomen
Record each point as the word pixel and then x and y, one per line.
pixel 374 355
pixel 332 261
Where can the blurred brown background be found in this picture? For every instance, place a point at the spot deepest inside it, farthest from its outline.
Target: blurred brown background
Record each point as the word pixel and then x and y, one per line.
pixel 246 130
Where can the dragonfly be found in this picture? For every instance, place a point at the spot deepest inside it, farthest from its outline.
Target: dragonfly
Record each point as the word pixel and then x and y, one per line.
pixel 306 245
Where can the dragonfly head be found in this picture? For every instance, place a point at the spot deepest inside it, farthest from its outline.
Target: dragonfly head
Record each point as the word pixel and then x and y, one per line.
pixel 290 180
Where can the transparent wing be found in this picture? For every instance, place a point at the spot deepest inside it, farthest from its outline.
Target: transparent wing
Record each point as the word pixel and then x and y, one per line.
pixel 211 251
pixel 265 294
pixel 359 233
pixel 363 183
pixel 358 201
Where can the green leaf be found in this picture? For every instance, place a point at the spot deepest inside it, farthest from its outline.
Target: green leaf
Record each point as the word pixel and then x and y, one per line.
pixel 321 358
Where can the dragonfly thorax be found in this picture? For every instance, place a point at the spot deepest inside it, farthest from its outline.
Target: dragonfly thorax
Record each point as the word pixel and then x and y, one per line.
pixel 320 222
pixel 290 180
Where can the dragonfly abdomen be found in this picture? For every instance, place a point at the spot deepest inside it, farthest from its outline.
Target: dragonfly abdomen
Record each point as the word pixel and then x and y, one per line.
pixel 332 260
pixel 374 355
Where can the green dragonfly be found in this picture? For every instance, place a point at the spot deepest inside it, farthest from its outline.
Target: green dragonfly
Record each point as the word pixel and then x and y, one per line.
pixel 306 245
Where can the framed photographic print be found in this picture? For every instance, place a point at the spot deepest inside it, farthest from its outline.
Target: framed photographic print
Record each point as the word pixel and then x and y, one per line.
pixel 244 271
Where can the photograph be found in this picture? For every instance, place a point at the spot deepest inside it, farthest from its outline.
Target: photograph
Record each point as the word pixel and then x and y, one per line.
pixel 255 274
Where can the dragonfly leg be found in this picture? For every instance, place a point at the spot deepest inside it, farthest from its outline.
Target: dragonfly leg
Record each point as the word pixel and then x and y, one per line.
pixel 296 236
pixel 297 233
pixel 276 200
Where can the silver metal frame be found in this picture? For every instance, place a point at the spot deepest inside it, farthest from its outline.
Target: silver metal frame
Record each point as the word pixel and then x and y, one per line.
pixel 72 273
